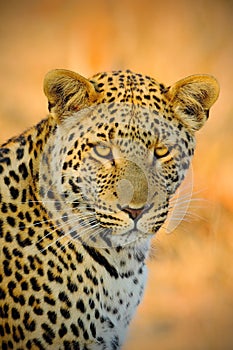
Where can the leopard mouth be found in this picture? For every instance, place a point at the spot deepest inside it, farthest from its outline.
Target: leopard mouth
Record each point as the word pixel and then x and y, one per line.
pixel 104 229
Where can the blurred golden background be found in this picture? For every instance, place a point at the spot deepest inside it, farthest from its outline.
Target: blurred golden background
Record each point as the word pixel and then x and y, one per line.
pixel 188 303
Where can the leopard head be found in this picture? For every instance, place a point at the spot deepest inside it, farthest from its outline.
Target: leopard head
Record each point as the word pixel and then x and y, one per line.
pixel 121 148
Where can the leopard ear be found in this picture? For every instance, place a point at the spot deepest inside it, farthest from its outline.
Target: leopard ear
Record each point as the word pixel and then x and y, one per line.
pixel 68 92
pixel 192 98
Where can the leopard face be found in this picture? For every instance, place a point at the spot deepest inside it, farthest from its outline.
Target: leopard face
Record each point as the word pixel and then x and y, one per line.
pixel 117 162
pixel 117 177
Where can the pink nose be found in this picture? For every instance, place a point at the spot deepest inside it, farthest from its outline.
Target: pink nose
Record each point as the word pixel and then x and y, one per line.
pixel 133 213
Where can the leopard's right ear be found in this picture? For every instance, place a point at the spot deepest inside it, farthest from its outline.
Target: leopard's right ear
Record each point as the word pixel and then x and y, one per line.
pixel 68 92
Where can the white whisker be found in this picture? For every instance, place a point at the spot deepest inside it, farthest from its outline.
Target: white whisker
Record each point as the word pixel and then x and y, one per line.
pixel 70 222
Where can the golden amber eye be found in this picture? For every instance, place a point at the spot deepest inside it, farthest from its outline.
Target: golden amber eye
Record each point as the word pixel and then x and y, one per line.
pixel 103 151
pixel 161 152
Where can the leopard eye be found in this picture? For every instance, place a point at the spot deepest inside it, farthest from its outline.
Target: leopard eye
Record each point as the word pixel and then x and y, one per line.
pixel 103 151
pixel 161 152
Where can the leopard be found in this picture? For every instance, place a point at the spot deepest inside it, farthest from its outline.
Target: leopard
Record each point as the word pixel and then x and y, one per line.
pixel 82 194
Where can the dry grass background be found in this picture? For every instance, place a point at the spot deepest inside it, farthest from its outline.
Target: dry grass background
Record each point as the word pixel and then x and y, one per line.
pixel 188 303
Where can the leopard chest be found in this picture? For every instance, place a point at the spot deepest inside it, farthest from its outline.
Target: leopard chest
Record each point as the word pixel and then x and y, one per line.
pixel 73 293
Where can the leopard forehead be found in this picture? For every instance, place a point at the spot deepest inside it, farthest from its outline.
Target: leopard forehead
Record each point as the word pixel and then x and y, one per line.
pixel 126 100
pixel 129 87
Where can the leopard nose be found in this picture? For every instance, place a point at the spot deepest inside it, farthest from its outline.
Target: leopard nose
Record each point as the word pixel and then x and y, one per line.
pixel 133 213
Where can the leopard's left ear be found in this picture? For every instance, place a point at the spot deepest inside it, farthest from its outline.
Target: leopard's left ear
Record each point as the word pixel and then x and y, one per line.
pixel 68 92
pixel 192 98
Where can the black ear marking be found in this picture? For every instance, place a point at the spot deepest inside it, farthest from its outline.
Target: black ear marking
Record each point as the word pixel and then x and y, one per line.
pixel 50 106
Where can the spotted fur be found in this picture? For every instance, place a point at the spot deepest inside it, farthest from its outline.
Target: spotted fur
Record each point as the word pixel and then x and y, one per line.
pixel 81 196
